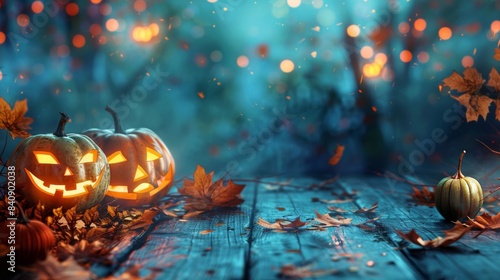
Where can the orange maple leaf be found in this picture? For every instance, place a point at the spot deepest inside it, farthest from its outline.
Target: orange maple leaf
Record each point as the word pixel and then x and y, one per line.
pixel 476 105
pixel 366 210
pixel 424 196
pixel 497 54
pixel 282 224
pixel 485 221
pixel 450 236
pixel 204 195
pixel 470 83
pixel 14 120
pixel 329 221
pixel 337 155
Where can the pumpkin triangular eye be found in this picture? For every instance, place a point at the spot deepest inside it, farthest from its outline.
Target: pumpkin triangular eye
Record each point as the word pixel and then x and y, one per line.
pixel 152 154
pixel 90 156
pixel 116 157
pixel 43 157
pixel 140 174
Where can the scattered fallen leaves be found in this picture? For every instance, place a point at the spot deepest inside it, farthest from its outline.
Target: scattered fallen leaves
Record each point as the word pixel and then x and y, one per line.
pixel 292 271
pixel 206 231
pixel 203 195
pixel 337 209
pixel 451 236
pixel 50 268
pixel 485 222
pixel 337 155
pixel 14 120
pixel 133 273
pixel 370 209
pixel 82 252
pixel 424 196
pixel 328 221
pixel 282 224
pixel 336 201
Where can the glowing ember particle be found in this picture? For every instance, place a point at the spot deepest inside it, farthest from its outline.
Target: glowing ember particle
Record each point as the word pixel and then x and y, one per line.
pixel 2 37
pixel 423 57
pixel 287 66
pixel 293 3
pixel 405 56
pixel 78 41
pixel 404 27
pixel 263 50
pixel 201 94
pixel 445 33
pixel 467 61
pixel 353 30
pixel 72 9
pixel 316 28
pixel 381 59
pixel 420 24
pixel 23 20
pixel 140 6
pixel 374 109
pixel 366 52
pixel 112 25
pixel 440 87
pixel 37 7
pixel 1 75
pixel 242 61
pixel 370 263
pixel 314 54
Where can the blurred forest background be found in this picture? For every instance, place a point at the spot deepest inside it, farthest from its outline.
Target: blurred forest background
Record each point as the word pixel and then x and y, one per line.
pixel 260 87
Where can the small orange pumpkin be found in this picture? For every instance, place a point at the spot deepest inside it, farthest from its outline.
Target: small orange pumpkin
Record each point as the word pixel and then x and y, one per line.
pixel 459 196
pixel 142 168
pixel 33 239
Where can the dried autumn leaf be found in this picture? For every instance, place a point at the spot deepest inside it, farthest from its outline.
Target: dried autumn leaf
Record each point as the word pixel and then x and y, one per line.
pixel 90 215
pixel 476 105
pixel 494 80
pixel 366 210
pixel 292 271
pixel 424 196
pixel 451 236
pixel 144 220
pixel 337 155
pixel 14 120
pixel 470 83
pixel 497 54
pixel 328 221
pixel 282 224
pixel 485 222
pixel 134 273
pixel 112 211
pixel 337 209
pixel 50 268
pixel 336 201
pixel 203 195
pixel 206 231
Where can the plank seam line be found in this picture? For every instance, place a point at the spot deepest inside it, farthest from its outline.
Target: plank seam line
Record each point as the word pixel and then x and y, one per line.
pixel 248 259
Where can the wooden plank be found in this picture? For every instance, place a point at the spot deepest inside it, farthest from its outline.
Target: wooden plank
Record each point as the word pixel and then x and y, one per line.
pixel 270 251
pixel 184 250
pixel 468 258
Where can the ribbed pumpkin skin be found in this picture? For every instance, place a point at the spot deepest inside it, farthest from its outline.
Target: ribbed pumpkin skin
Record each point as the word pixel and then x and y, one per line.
pixel 34 240
pixel 458 198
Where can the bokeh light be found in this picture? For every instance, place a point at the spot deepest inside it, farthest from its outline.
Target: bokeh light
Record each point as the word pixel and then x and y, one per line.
pixel 293 3
pixel 423 57
pixel 242 61
pixel 2 37
pixel 287 66
pixel 404 27
pixel 366 52
pixel 72 9
pixel 112 25
pixel 467 61
pixel 78 41
pixel 371 70
pixel 353 30
pixel 405 56
pixel 495 27
pixel 381 59
pixel 420 24
pixel 37 7
pixel 445 33
pixel 140 6
pixel 23 20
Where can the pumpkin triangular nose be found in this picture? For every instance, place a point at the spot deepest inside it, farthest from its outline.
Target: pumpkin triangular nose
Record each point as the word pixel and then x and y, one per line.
pixel 68 172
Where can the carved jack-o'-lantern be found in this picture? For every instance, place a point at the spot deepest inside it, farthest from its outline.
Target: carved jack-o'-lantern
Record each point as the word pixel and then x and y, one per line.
pixel 61 169
pixel 142 168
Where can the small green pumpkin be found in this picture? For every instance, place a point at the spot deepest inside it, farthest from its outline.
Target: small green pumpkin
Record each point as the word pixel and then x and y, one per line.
pixel 458 196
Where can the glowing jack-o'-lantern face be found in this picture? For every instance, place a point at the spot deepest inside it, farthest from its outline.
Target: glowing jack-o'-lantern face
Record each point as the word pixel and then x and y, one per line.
pixel 142 168
pixel 61 169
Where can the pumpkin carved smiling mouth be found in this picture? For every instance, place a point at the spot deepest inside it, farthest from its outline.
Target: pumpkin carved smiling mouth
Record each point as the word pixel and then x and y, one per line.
pixel 60 190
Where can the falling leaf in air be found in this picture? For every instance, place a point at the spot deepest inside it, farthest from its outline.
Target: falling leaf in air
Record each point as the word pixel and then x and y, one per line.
pixel 424 196
pixel 282 224
pixel 14 120
pixel 328 221
pixel 470 83
pixel 485 222
pixel 497 54
pixel 294 272
pixel 451 236
pixel 366 210
pixel 203 195
pixel 337 155
pixel 494 80
pixel 476 105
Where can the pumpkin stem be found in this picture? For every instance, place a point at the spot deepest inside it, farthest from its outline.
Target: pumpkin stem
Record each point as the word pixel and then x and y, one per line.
pixel 459 174
pixel 62 122
pixel 23 219
pixel 118 123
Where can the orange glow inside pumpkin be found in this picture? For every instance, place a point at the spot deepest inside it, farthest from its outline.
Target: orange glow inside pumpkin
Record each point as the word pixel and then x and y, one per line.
pixel 44 157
